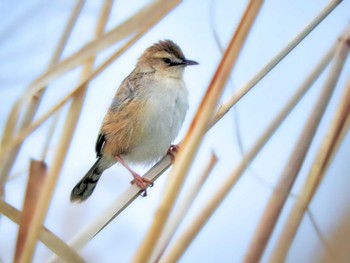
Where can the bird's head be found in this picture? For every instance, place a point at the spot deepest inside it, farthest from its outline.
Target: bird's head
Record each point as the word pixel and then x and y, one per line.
pixel 165 58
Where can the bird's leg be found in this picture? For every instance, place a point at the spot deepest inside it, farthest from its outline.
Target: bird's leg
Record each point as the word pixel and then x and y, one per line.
pixel 141 182
pixel 173 150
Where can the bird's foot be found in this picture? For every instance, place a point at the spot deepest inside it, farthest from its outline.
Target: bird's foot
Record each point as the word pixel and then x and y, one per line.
pixel 173 151
pixel 142 183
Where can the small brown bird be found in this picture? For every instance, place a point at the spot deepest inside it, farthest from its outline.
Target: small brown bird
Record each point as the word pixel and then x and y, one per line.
pixel 144 118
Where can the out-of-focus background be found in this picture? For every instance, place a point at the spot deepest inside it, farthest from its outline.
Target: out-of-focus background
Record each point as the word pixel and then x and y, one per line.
pixel 29 32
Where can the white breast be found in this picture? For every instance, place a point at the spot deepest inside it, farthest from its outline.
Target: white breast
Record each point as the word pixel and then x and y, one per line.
pixel 163 116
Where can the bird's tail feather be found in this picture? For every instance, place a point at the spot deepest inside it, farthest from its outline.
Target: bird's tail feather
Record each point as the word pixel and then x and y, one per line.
pixel 87 184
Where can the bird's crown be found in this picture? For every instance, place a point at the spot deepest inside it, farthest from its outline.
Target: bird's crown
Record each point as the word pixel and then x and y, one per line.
pixel 166 46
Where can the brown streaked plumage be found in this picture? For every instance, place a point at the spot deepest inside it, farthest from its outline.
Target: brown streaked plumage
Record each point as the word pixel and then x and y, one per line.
pixel 144 118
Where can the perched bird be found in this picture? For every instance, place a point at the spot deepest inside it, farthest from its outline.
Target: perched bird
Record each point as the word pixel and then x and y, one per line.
pixel 144 118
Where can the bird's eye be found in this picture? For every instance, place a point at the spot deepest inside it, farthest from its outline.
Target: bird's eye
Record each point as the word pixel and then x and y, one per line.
pixel 167 61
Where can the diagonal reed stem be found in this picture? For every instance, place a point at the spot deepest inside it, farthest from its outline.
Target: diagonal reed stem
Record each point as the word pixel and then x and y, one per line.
pixel 66 137
pixel 21 136
pixel 184 205
pixel 196 225
pixel 146 17
pixel 34 102
pixel 36 179
pixel 286 181
pixel 50 133
pixel 322 160
pixel 195 134
pixel 54 243
pixel 277 58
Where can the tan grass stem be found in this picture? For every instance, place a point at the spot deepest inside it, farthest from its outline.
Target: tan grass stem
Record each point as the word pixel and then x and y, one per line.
pixel 123 201
pixel 195 134
pixel 86 234
pixel 33 103
pixel 50 133
pixel 183 207
pixel 36 179
pixel 225 107
pixel 50 240
pixel 145 18
pixel 67 134
pixel 339 238
pixel 21 136
pixel 322 160
pixel 285 183
pixel 190 232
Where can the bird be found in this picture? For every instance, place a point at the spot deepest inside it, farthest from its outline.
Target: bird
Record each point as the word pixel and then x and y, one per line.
pixel 144 118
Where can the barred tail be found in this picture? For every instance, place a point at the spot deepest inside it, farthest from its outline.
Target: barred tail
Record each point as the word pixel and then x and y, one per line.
pixel 87 184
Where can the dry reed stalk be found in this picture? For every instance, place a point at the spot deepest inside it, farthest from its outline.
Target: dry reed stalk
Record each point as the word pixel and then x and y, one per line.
pixel 36 179
pixel 322 160
pixel 190 232
pixel 183 207
pixel 346 126
pixel 123 201
pixel 54 243
pixel 145 18
pixel 50 133
pixel 85 235
pixel 33 103
pixel 132 193
pixel 21 136
pixel 67 134
pixel 225 107
pixel 285 183
pixel 339 238
pixel 18 174
pixel 195 134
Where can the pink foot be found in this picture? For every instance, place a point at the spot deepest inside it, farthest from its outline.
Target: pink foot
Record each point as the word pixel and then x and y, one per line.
pixel 142 183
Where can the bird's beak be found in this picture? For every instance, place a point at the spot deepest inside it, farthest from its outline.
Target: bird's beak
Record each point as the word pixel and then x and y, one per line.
pixel 188 62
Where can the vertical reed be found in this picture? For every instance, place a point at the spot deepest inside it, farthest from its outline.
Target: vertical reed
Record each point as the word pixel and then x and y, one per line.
pixel 61 151
pixel 197 129
pixel 33 103
pixel 322 160
pixel 286 181
pixel 190 232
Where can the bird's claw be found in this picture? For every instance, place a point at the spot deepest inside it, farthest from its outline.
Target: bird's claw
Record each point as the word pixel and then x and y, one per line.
pixel 142 183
